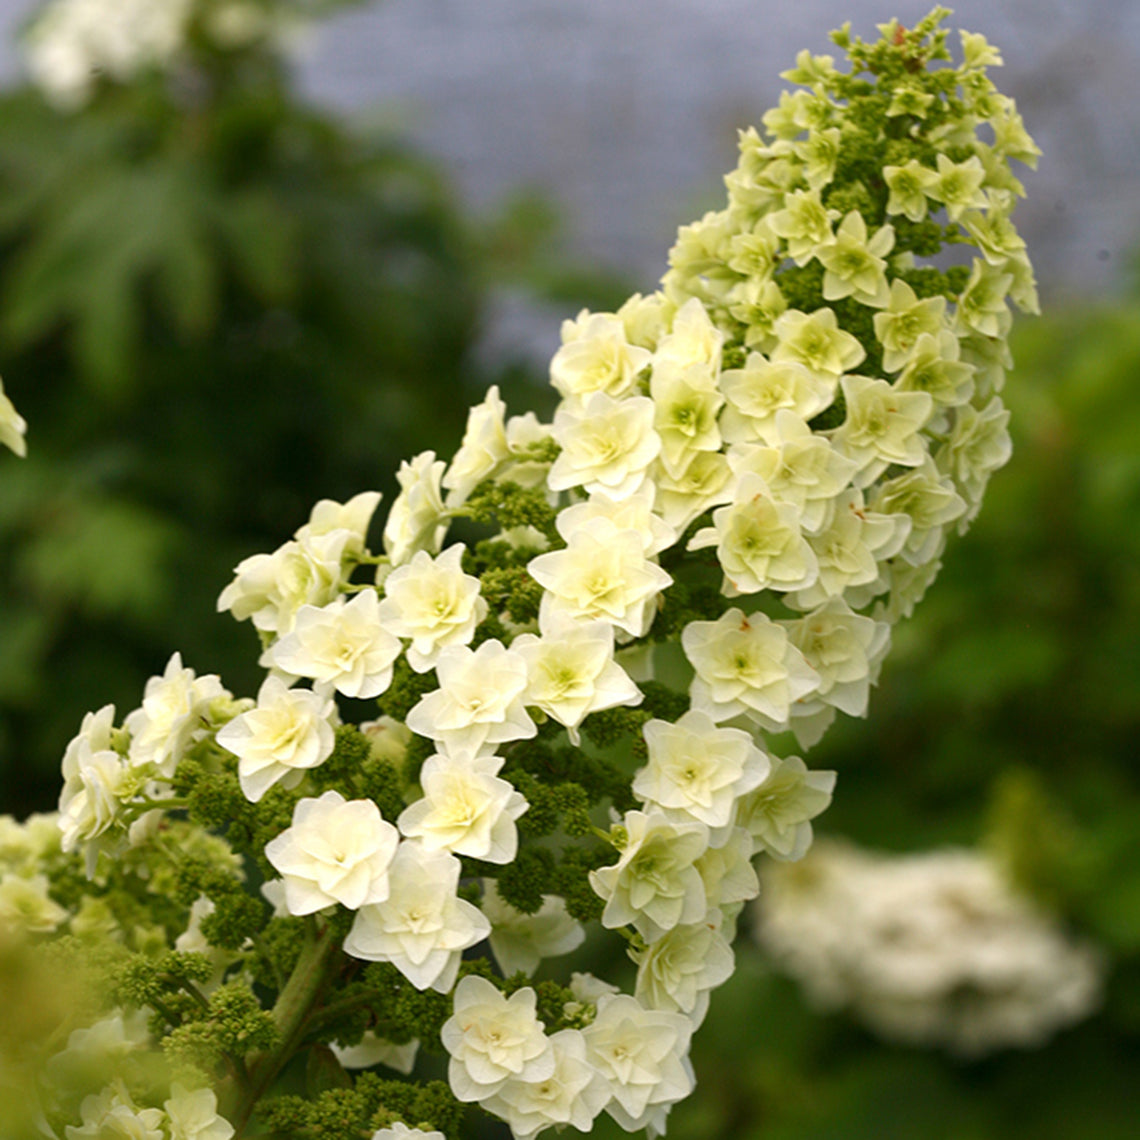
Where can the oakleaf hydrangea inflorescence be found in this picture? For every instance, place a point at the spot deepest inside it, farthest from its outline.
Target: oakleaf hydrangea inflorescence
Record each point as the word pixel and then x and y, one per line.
pixel 587 717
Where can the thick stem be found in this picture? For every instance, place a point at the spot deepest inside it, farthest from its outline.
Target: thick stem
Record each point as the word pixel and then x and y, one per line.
pixel 295 1005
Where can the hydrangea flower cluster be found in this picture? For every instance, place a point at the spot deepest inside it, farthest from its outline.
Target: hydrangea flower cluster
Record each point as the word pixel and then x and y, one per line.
pixel 934 948
pixel 590 650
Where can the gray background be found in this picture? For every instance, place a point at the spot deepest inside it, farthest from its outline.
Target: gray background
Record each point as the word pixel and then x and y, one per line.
pixel 626 111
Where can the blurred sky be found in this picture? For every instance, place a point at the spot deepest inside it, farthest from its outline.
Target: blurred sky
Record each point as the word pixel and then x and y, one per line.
pixel 627 110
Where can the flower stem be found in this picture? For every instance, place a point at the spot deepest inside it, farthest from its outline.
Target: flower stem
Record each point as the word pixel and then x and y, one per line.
pixel 295 1005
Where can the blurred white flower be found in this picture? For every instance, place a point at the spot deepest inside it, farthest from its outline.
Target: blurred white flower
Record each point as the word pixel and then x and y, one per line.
pixel 112 1113
pixel 75 41
pixel 26 906
pixel 372 1050
pixel 934 948
pixel 193 1115
pixel 400 1131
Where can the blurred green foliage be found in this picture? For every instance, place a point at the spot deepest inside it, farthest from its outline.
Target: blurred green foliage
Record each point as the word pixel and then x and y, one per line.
pixel 217 305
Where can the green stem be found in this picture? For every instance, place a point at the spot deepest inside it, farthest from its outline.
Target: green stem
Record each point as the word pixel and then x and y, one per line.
pixel 292 1012
pixel 189 988
pixel 337 1009
pixel 135 811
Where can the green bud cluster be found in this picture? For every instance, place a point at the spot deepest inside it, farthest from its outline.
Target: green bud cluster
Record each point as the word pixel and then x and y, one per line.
pixel 508 505
pixel 539 871
pixel 370 1104
pixel 404 692
pixel 218 1034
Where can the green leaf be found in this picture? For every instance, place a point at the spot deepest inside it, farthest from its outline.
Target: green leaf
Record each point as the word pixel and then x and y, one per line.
pixel 104 556
pixel 25 636
pixel 262 240
pixel 100 244
pixel 107 329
